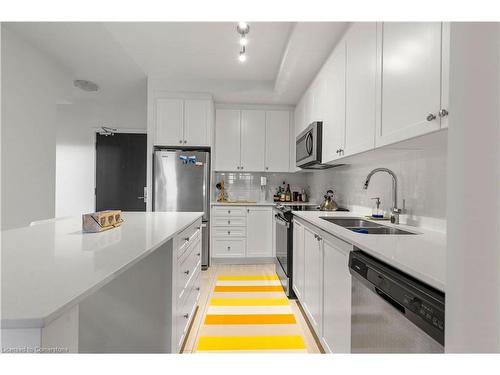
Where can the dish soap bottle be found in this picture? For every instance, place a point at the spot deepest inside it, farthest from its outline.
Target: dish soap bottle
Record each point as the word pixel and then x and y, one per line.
pixel 376 212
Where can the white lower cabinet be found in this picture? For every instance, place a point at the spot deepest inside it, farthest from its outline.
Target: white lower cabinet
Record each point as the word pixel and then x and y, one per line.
pixel 298 259
pixel 336 337
pixel 312 300
pixel 186 279
pixel 242 232
pixel 259 232
pixel 322 283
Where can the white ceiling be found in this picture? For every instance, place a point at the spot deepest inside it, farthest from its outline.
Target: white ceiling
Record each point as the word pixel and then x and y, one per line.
pixel 283 57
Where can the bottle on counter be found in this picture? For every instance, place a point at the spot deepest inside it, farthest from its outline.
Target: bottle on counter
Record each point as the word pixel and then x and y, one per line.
pixel 288 193
pixel 283 193
pixel 303 195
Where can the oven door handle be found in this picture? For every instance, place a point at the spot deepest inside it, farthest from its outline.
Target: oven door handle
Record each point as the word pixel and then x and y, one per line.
pixel 281 221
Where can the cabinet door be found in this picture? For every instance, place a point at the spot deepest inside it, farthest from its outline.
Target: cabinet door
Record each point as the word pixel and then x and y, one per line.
pixel 227 140
pixel 299 118
pixel 277 145
pixel 253 140
pixel 411 80
pixel 334 103
pixel 361 83
pixel 336 296
pixel 312 279
pixel 197 122
pixel 308 107
pixel 169 122
pixel 298 260
pixel 259 232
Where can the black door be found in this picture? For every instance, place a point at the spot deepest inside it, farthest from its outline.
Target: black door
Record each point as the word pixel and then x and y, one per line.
pixel 120 172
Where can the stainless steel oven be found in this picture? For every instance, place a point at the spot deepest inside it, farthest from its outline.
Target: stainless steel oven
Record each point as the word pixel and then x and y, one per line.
pixel 284 249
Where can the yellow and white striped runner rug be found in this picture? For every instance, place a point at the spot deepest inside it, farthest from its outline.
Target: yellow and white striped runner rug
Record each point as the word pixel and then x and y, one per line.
pixel 249 313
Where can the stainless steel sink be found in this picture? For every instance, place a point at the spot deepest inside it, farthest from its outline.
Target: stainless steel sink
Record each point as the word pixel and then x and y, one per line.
pixel 351 222
pixel 380 230
pixel 364 226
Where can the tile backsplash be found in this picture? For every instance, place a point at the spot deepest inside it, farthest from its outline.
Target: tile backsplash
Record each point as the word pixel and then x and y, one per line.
pixel 421 183
pixel 246 186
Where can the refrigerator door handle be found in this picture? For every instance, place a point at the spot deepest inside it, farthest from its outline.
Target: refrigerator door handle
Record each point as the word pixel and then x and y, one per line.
pixel 206 189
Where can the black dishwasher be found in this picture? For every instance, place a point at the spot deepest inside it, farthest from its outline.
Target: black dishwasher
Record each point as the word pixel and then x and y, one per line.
pixel 392 312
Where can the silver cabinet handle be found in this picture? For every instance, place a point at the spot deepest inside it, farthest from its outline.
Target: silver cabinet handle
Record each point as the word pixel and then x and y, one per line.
pixel 186 239
pixel 248 210
pixel 241 167
pixel 186 316
pixel 228 232
pixel 185 141
pixel 443 113
pixel 198 288
pixel 198 254
pixel 229 221
pixel 180 140
pixel 229 248
pixel 431 116
pixel 228 211
pixel 267 168
pixel 186 272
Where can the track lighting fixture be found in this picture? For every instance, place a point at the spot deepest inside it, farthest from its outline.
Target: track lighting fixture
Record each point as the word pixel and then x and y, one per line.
pixel 243 29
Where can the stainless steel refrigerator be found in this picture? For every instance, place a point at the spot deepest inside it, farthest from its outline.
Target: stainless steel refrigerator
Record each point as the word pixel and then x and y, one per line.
pixel 182 184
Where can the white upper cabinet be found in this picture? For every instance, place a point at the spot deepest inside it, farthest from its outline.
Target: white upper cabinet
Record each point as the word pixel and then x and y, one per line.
pixel 361 85
pixel 333 105
pixel 227 140
pixel 299 117
pixel 411 80
pixel 277 145
pixel 259 232
pixel 253 140
pixel 186 122
pixel 169 122
pixel 198 117
pixel 308 107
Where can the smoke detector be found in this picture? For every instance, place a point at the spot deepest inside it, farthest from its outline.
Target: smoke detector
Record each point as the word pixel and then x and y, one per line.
pixel 86 85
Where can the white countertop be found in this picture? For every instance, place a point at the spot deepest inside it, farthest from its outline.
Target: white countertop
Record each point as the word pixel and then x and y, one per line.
pixel 264 204
pixel 422 256
pixel 50 267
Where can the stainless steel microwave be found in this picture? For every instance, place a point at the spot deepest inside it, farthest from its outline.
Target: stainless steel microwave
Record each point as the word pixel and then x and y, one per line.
pixel 308 148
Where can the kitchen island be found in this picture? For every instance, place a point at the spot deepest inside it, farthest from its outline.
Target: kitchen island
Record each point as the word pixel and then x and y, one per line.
pixel 121 290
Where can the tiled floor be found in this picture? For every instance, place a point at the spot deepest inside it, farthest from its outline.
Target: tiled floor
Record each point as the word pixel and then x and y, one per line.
pixel 207 285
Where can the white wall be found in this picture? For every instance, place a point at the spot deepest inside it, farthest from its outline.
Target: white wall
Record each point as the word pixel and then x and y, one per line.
pixel 32 84
pixel 473 255
pixel 76 136
pixel 421 182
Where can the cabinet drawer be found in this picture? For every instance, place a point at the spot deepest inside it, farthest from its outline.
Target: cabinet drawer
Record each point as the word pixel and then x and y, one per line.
pixel 229 211
pixel 185 311
pixel 229 232
pixel 188 268
pixel 234 247
pixel 188 237
pixel 229 221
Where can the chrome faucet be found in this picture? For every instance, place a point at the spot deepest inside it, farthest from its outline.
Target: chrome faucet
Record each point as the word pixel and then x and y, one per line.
pixel 395 211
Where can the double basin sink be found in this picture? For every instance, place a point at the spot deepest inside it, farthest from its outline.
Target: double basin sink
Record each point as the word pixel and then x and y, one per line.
pixel 364 226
